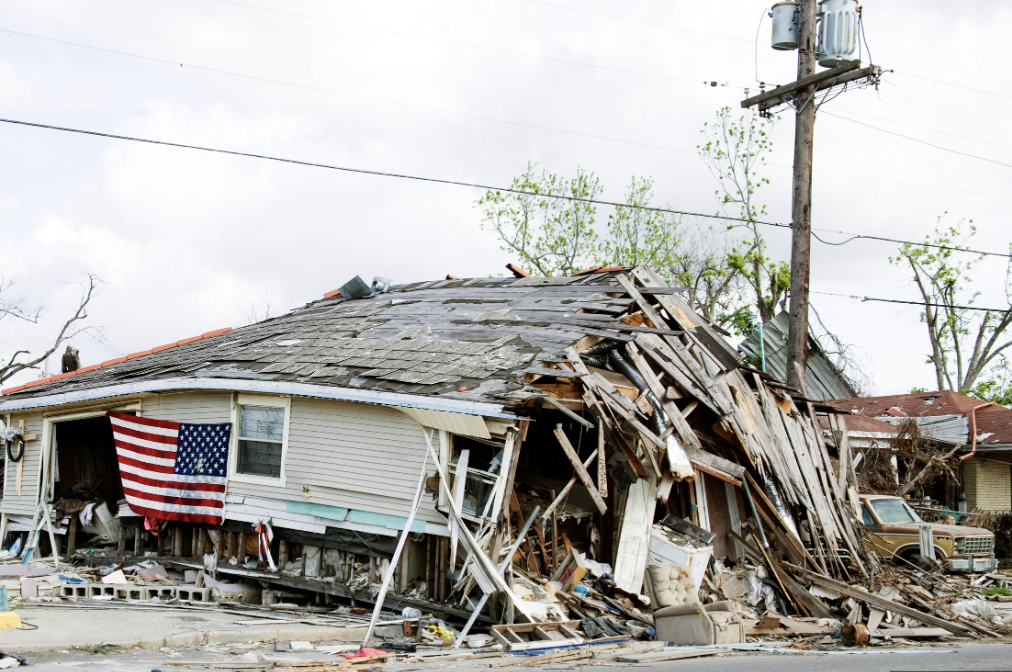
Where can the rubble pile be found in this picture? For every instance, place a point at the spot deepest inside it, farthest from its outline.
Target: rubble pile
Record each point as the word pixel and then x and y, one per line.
pixel 654 489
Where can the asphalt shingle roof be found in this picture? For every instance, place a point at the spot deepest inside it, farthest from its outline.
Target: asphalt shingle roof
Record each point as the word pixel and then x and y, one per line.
pixel 431 338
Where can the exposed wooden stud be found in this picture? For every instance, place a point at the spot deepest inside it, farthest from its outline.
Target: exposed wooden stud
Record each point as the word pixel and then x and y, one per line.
pixel 581 471
pixel 72 536
pixel 282 553
pixel 177 541
pixel 602 462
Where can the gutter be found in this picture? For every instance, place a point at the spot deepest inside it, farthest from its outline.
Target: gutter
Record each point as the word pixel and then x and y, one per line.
pixel 973 430
pixel 376 397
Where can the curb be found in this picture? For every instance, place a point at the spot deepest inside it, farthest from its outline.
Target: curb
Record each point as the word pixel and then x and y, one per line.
pixel 305 633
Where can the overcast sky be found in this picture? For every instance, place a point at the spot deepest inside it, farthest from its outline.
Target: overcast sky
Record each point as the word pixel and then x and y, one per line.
pixel 184 240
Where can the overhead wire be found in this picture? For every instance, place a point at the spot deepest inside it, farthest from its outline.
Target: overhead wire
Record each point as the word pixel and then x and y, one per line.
pixel 347 94
pixel 918 140
pixel 953 84
pixel 922 304
pixel 468 115
pixel 739 39
pixel 461 183
pixel 467 45
pixel 925 128
pixel 637 21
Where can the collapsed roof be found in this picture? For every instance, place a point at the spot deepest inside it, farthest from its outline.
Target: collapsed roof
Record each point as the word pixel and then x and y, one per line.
pixel 468 339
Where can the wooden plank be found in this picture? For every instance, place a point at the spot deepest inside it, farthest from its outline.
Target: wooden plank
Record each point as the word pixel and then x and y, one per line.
pixel 912 633
pixel 611 434
pixel 610 398
pixel 660 656
pixel 556 373
pixel 881 602
pixel 573 416
pixel 875 616
pixel 675 417
pixel 694 325
pixel 565 490
pixel 580 470
pixel 602 462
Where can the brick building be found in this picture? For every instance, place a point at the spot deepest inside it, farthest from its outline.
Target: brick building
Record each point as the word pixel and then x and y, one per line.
pixel 985 429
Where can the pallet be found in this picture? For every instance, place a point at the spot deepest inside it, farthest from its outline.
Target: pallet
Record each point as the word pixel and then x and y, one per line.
pixel 527 636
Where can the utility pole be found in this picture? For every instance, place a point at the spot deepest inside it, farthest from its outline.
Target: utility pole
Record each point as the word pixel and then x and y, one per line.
pixel 801 204
pixel 833 48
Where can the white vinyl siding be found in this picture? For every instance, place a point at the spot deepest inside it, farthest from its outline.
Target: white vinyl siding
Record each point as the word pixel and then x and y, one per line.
pixel 356 456
pixel 25 503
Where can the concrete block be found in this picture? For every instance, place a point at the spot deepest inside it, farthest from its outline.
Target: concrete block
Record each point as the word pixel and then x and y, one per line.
pixel 193 595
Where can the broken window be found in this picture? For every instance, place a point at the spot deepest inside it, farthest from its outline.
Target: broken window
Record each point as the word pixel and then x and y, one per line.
pixel 260 437
pixel 483 470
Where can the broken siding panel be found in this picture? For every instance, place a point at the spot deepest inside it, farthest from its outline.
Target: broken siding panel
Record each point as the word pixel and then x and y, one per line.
pixel 25 503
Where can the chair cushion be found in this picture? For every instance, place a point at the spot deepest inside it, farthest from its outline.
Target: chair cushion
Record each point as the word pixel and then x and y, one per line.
pixel 671 585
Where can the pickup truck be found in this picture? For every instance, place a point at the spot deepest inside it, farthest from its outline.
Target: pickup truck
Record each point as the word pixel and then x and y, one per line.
pixel 894 534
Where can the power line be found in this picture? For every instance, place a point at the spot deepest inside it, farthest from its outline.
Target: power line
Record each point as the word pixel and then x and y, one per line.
pixel 459 183
pixel 860 236
pixel 376 99
pixel 918 140
pixel 922 304
pixel 739 39
pixel 642 23
pixel 958 86
pixel 468 45
pixel 427 108
pixel 381 173
pixel 927 128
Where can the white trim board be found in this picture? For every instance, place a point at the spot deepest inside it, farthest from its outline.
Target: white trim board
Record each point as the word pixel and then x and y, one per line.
pixel 378 397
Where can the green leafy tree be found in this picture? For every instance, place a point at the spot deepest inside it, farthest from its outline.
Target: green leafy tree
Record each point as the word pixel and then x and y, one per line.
pixel 997 387
pixel 551 235
pixel 640 237
pixel 967 344
pixel 735 151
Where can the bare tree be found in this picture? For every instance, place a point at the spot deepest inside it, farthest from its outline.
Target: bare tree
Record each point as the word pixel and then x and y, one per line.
pixel 258 310
pixel 18 308
pixel 846 357
pixel 965 341
pixel 714 290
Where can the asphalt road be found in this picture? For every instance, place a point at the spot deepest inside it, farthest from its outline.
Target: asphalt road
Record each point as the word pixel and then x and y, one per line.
pixel 962 657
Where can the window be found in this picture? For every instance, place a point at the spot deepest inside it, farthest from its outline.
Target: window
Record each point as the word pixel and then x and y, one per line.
pixel 868 518
pixel 261 433
pixel 894 512
pixel 484 468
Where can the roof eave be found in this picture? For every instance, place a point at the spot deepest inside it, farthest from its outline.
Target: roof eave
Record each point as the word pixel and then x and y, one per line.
pixel 375 397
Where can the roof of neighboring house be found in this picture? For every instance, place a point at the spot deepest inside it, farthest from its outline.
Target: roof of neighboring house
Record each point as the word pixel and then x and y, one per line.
pixel 467 339
pixel 822 378
pixel 994 422
pixel 859 423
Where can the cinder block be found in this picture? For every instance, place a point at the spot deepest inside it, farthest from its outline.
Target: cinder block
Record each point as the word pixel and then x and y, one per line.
pixel 193 595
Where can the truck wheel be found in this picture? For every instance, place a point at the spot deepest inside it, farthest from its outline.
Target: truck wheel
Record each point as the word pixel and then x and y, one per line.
pixel 915 558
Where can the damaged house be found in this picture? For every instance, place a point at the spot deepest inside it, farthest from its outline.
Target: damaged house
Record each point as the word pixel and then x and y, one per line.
pixel 980 432
pixel 505 431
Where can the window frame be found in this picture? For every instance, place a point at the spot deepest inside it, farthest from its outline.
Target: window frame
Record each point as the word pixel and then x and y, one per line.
pixel 233 453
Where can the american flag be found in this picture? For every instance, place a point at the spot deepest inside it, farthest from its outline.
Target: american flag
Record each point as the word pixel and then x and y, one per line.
pixel 172 470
